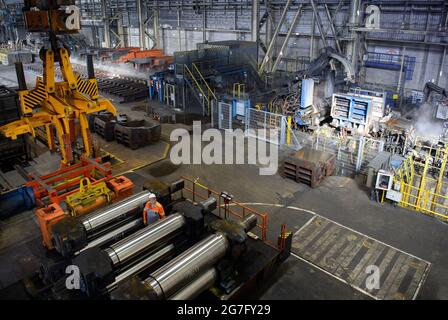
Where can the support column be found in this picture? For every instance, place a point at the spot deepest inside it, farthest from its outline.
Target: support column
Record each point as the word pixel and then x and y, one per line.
pixel 120 29
pixel 353 45
pixel 442 64
pixel 401 82
pixel 156 26
pixel 313 30
pixel 269 29
pixel 106 23
pixel 443 58
pixel 179 39
pixel 255 32
pixel 204 25
pixel 426 48
pixel 141 25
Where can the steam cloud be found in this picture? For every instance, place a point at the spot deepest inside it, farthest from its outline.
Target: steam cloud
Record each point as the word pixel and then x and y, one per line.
pixel 116 70
pixel 426 125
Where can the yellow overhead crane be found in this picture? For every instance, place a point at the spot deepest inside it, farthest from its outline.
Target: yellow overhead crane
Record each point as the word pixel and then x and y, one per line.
pixel 57 104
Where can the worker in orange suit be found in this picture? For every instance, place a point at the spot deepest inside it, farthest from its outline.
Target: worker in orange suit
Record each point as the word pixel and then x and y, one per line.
pixel 153 210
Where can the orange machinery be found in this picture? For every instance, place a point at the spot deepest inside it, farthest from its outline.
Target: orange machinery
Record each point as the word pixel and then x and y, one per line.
pixel 120 188
pixel 56 186
pixel 137 53
pixel 147 60
pixel 47 217
pixel 66 185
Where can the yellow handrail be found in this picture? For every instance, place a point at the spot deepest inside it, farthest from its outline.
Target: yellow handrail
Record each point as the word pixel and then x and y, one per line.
pixel 206 84
pixel 195 81
pixel 199 87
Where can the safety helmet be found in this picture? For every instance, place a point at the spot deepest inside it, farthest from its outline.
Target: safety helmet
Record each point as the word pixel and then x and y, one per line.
pixel 152 196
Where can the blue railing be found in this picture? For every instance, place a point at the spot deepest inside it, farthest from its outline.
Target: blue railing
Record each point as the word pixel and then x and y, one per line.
pixel 391 62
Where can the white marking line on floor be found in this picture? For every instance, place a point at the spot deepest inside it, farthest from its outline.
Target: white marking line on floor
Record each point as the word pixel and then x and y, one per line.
pixel 360 233
pixel 333 276
pixel 424 276
pixel 305 225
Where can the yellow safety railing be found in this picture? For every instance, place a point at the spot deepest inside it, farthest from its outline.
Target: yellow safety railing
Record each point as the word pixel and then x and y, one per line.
pixel 210 91
pixel 288 132
pixel 205 96
pixel 239 89
pixel 424 184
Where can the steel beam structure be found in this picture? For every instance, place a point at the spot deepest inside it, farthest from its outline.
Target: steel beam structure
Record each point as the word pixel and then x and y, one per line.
pixel 141 25
pixel 285 42
pixel 442 64
pixel 333 30
pixel 156 25
pixel 267 56
pixel 353 45
pixel 106 23
pixel 319 24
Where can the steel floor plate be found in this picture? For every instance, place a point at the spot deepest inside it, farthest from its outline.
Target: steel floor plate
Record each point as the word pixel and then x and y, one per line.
pixel 346 255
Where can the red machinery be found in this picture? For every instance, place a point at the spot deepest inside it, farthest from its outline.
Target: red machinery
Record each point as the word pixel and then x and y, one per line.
pixel 145 60
pixel 56 186
pixel 52 189
pixel 137 53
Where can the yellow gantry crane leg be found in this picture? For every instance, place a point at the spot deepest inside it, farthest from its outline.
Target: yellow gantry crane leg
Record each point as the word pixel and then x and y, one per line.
pixel 51 104
pixel 60 104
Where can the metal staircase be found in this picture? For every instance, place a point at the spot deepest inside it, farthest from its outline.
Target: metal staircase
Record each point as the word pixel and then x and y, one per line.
pixel 199 87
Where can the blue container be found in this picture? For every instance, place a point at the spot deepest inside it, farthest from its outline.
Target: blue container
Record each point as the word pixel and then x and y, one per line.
pixel 16 201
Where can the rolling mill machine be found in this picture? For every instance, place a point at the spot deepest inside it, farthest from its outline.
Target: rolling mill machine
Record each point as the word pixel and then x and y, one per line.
pixel 194 252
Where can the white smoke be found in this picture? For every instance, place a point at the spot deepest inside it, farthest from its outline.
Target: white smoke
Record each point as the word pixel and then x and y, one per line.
pixel 426 125
pixel 113 69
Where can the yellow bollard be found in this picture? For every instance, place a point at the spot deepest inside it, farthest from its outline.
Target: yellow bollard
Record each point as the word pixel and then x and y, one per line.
pixel 288 133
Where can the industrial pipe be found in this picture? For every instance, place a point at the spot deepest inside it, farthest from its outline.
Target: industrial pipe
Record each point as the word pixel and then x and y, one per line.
pixel 197 286
pixel 101 218
pixel 145 239
pixel 178 272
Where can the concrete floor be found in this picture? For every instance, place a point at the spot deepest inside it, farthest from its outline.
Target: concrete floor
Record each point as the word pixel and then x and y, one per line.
pixel 340 199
